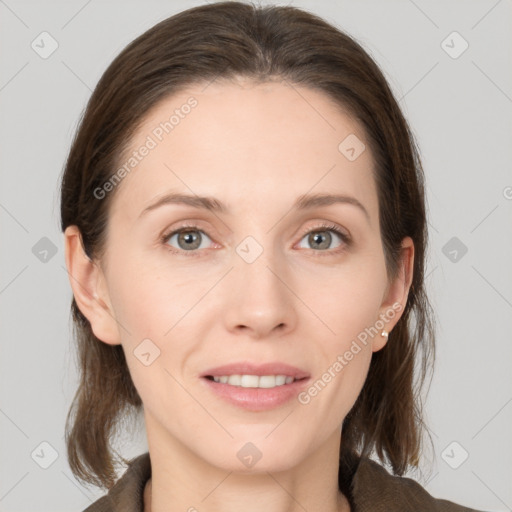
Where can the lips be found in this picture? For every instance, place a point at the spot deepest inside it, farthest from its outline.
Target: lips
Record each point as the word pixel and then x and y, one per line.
pixel 245 393
pixel 246 368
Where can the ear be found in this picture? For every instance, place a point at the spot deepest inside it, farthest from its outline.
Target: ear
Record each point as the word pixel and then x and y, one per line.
pixel 395 296
pixel 89 288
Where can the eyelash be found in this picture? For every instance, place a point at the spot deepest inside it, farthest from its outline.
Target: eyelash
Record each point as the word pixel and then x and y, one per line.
pixel 321 227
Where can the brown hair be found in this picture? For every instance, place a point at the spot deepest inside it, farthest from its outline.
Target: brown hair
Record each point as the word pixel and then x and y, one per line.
pixel 228 40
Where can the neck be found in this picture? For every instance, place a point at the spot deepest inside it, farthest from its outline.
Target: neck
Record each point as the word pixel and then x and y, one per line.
pixel 183 481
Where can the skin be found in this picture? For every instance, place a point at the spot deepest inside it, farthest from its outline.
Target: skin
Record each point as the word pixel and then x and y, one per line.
pixel 256 148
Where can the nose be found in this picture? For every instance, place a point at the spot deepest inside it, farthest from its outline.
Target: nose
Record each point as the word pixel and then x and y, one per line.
pixel 259 302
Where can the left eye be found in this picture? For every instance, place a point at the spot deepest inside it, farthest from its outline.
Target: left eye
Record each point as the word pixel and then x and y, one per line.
pixel 321 239
pixel 189 240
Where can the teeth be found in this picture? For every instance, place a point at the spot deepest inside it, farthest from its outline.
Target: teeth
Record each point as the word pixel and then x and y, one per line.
pixel 254 381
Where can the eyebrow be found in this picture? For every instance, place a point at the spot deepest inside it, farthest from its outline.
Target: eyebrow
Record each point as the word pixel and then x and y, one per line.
pixel 303 202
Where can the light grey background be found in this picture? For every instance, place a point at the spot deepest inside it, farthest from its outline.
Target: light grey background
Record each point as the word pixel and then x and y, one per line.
pixel 460 110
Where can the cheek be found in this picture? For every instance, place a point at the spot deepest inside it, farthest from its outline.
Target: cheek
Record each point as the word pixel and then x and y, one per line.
pixel 154 301
pixel 150 295
pixel 339 381
pixel 161 338
pixel 346 298
pixel 347 302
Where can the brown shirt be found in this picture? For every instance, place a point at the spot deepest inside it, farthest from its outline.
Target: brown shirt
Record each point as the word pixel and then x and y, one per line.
pixel 368 487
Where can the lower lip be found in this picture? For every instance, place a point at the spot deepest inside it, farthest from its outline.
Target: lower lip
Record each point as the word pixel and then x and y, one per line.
pixel 256 399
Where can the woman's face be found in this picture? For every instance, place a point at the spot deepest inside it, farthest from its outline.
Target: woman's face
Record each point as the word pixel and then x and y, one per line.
pixel 265 272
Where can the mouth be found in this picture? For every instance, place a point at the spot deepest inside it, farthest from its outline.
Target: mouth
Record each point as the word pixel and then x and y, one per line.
pixel 254 381
pixel 253 375
pixel 256 387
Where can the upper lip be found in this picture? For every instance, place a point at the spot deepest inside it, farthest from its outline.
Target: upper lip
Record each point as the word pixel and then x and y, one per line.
pixel 246 368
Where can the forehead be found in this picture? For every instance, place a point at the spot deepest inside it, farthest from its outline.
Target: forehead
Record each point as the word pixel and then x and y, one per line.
pixel 265 143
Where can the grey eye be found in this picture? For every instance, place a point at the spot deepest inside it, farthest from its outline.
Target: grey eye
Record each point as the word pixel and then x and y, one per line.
pixel 320 240
pixel 189 240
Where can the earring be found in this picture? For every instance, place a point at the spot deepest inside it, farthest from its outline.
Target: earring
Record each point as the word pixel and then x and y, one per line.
pixel 385 334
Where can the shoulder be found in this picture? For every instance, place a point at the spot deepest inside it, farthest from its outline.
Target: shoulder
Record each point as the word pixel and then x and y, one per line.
pixel 375 489
pixel 127 495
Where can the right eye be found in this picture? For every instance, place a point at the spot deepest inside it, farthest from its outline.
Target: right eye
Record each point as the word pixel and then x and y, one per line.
pixel 187 239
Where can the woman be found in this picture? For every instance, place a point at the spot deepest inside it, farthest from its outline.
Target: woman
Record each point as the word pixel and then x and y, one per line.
pixel 244 217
